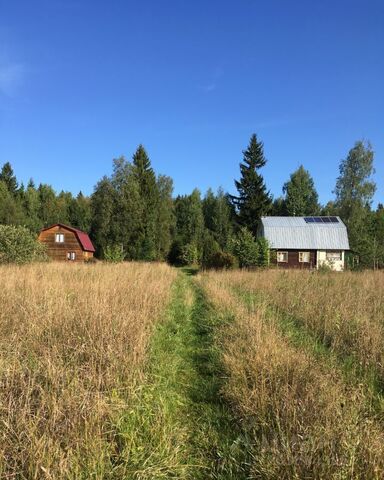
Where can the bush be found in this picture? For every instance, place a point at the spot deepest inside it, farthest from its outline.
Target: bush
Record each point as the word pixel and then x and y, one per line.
pixel 220 260
pixel 189 254
pixel 113 253
pixel 246 249
pixel 210 248
pixel 19 245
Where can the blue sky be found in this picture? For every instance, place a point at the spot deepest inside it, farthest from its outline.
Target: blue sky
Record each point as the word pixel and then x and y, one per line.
pixel 82 82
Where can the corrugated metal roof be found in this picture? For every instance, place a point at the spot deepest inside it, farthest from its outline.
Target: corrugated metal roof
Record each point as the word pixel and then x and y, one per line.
pixel 296 233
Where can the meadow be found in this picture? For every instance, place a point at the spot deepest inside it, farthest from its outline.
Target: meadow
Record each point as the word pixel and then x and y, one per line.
pixel 142 371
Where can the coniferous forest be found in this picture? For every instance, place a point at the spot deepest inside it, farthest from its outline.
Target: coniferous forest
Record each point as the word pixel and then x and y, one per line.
pixel 134 215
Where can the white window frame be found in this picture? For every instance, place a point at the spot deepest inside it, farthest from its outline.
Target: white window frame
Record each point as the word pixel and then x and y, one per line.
pixel 59 237
pixel 282 253
pixel 334 256
pixel 71 256
pixel 303 255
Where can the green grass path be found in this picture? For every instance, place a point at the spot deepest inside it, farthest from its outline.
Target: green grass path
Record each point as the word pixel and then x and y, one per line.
pixel 179 426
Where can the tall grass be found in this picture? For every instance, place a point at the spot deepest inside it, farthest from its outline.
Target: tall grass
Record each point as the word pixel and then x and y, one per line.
pixel 344 311
pixel 73 345
pixel 303 419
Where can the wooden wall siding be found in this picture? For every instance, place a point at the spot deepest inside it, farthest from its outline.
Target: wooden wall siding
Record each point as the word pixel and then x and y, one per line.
pixel 58 251
pixel 293 259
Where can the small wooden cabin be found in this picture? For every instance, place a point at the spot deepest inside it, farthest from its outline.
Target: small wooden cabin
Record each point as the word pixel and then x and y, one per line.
pixel 66 244
pixel 306 242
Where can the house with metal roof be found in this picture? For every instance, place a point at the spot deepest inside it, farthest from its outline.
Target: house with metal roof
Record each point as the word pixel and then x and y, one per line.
pixel 64 243
pixel 306 242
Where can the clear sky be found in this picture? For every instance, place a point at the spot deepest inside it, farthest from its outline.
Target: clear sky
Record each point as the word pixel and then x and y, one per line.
pixel 84 81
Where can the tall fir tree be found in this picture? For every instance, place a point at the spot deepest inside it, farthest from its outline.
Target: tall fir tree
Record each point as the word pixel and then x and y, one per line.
pixel 129 232
pixel 301 197
pixel 146 179
pixel 7 176
pixel 253 200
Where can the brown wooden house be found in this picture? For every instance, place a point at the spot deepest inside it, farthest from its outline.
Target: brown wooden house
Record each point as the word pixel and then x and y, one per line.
pixel 66 244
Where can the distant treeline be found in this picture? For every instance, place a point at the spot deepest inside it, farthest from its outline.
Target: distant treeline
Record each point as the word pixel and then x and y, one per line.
pixel 134 214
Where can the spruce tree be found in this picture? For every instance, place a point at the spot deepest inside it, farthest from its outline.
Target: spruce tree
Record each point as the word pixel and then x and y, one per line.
pixel 146 180
pixel 253 200
pixel 8 177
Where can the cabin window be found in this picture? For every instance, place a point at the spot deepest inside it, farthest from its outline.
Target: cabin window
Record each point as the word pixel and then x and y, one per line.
pixel 71 256
pixel 282 257
pixel 304 257
pixel 333 256
pixel 59 237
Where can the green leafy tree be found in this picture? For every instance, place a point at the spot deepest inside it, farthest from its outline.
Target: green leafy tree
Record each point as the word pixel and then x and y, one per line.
pixel 354 194
pixel 103 201
pixel 32 208
pixel 80 213
pixel 11 212
pixel 7 176
pixel 301 197
pixel 253 200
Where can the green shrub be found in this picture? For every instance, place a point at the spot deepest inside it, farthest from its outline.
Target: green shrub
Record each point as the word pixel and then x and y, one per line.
pixel 210 248
pixel 19 245
pixel 113 253
pixel 189 254
pixel 246 249
pixel 220 260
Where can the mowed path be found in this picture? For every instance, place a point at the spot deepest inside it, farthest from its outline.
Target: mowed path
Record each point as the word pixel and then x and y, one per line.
pixel 181 427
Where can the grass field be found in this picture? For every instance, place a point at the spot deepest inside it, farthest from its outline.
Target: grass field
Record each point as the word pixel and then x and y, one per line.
pixel 140 371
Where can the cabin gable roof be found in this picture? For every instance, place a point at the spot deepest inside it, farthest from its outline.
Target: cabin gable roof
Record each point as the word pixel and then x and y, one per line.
pixel 83 238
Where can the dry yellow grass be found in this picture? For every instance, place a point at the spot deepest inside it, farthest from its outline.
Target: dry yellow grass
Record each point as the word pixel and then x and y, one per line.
pixel 345 311
pixel 73 342
pixel 302 419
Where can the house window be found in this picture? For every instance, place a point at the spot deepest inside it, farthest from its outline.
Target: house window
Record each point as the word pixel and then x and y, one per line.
pixel 71 256
pixel 304 257
pixel 59 237
pixel 282 257
pixel 333 256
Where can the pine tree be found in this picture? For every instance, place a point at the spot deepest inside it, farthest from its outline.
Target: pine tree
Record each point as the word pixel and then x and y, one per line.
pixel 253 200
pixel 301 197
pixel 8 177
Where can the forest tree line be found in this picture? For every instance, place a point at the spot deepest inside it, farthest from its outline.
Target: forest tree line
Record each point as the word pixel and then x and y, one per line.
pixel 133 214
